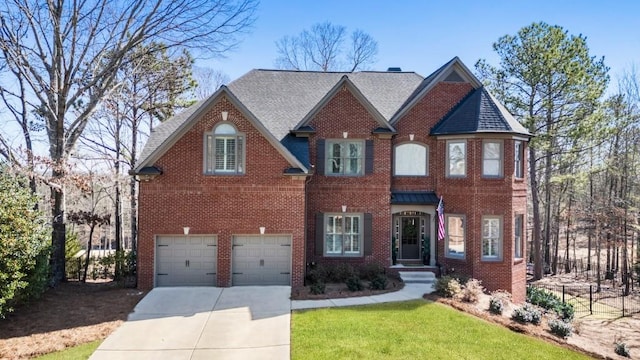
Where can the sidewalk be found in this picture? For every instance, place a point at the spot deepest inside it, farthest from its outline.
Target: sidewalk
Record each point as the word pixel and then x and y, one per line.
pixel 411 291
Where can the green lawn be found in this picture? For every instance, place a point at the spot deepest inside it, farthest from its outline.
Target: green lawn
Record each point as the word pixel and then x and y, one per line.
pixel 410 330
pixel 80 352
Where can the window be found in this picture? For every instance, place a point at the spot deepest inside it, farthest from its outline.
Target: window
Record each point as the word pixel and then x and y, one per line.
pixel 491 238
pixel 492 158
pixel 343 235
pixel 519 159
pixel 456 158
pixel 455 236
pixel 411 160
pixel 518 230
pixel 345 158
pixel 224 151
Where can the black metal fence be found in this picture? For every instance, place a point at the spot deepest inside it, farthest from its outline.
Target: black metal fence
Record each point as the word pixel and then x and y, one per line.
pixel 586 300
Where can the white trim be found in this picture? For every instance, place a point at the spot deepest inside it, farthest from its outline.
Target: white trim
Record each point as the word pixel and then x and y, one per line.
pixel 500 244
pixel 448 159
pixel 448 254
pixel 342 254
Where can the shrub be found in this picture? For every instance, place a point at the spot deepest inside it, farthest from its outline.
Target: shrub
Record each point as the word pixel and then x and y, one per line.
pixel 498 301
pixel 72 247
pixel 317 288
pixel 370 271
pixel 527 314
pixel 379 282
pixel 448 286
pixel 622 349
pixel 354 284
pixel 472 290
pixel 342 272
pixel 561 328
pixel 550 301
pixel 24 240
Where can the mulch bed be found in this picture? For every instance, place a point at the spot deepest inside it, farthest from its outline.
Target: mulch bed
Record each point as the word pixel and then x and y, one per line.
pixel 68 315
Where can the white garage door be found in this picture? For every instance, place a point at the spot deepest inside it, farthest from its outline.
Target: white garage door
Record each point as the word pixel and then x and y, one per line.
pixel 261 260
pixel 186 260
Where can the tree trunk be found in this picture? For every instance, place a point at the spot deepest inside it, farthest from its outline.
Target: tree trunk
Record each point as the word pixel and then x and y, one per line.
pixel 58 238
pixel 89 245
pixel 567 267
pixel 535 234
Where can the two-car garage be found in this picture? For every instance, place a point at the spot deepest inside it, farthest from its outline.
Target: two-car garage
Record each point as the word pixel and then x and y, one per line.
pixel 192 260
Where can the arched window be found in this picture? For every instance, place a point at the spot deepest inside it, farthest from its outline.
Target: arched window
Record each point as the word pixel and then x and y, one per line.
pixel 411 159
pixel 224 150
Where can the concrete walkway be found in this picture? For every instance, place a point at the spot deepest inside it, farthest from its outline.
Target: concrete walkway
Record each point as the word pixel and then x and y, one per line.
pixel 246 322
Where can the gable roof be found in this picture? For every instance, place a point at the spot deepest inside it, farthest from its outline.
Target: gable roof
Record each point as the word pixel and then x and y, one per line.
pixel 168 133
pixel 478 112
pixel 454 65
pixel 270 94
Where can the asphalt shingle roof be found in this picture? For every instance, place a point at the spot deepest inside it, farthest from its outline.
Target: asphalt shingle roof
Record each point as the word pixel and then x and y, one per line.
pixel 282 98
pixel 478 112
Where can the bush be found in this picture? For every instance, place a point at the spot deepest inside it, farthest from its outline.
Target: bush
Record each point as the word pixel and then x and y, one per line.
pixel 527 314
pixel 354 284
pixel 498 301
pixel 73 267
pixel 379 282
pixel 370 271
pixel 24 240
pixel 622 349
pixel 318 288
pixel 472 290
pixel 343 272
pixel 550 301
pixel 561 328
pixel 448 286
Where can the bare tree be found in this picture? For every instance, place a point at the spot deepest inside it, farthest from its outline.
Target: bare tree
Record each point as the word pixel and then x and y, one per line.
pixel 321 49
pixel 67 55
pixel 208 81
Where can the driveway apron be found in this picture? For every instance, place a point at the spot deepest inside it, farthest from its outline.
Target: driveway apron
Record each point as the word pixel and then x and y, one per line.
pixel 247 322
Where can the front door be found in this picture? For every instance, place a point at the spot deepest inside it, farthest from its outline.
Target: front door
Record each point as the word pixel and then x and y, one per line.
pixel 410 237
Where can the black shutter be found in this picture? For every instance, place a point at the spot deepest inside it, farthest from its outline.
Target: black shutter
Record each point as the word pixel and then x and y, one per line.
pixel 368 157
pixel 320 157
pixel 319 233
pixel 368 230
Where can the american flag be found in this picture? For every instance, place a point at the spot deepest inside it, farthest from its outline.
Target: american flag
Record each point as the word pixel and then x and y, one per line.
pixel 440 211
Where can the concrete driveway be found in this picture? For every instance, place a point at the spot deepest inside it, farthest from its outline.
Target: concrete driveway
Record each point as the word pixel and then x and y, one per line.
pixel 248 322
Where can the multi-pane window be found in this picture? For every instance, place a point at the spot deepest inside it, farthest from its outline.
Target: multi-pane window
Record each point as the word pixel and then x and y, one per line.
pixel 343 235
pixel 518 230
pixel 411 160
pixel 224 151
pixel 345 158
pixel 492 158
pixel 491 238
pixel 519 159
pixel 455 236
pixel 456 158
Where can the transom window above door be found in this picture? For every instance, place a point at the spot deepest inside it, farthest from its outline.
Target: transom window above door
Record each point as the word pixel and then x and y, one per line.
pixel 345 157
pixel 224 151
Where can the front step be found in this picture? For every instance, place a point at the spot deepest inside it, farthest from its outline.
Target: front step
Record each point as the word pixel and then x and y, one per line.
pixel 417 277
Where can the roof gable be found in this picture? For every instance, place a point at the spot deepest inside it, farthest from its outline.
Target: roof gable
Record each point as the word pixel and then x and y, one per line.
pixel 478 112
pixel 452 71
pixel 168 133
pixel 281 99
pixel 345 82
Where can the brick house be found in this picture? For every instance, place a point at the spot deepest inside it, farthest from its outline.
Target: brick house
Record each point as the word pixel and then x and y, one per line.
pixel 282 169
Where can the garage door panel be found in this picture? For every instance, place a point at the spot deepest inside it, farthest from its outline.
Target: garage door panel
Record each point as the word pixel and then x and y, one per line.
pixel 261 260
pixel 186 260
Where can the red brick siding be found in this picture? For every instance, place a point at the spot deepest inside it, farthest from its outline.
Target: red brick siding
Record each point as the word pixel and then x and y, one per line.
pixel 418 121
pixel 361 194
pixel 221 205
